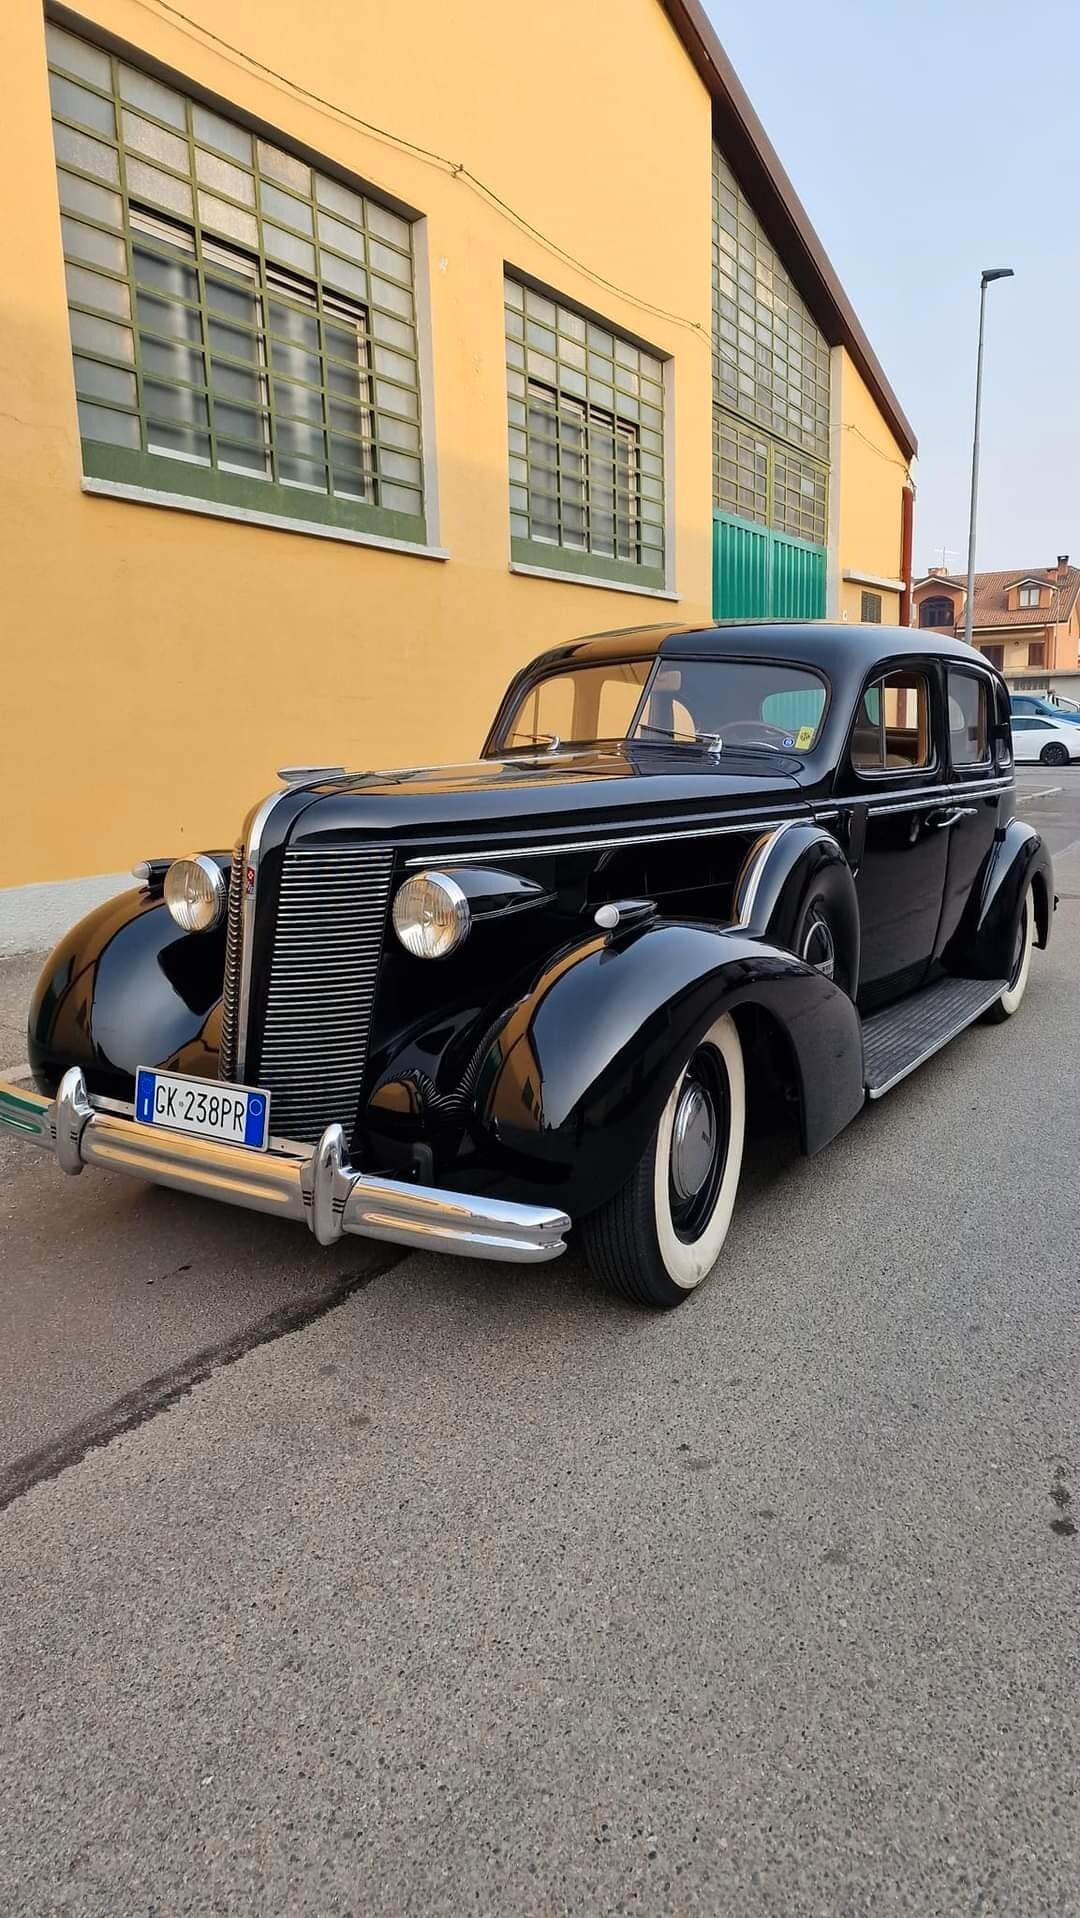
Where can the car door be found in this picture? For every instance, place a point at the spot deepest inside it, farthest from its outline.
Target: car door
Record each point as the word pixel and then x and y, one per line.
pixel 1025 741
pixel 892 793
pixel 979 773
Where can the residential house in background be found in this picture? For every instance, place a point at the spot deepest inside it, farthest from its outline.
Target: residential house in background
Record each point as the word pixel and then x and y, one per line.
pixel 1026 622
pixel 310 435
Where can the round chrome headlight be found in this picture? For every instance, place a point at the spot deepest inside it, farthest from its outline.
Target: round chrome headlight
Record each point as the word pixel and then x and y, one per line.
pixel 195 893
pixel 431 915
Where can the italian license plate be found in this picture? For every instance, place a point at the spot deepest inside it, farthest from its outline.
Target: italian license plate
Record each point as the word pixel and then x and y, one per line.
pixel 238 1114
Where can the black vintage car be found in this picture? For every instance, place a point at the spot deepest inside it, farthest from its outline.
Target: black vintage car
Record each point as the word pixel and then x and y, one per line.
pixel 466 1006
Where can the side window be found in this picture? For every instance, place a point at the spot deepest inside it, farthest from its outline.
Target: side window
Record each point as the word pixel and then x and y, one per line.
pixel 1023 705
pixel 969 720
pixel 892 726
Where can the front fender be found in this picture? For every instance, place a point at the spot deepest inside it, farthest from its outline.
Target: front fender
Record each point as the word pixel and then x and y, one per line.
pixel 784 874
pixel 574 1082
pixel 984 944
pixel 126 988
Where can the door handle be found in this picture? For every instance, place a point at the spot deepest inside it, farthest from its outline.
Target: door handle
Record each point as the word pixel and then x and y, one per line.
pixel 955 813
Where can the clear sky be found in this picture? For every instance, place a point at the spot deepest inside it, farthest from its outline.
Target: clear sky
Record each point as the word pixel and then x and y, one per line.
pixel 928 141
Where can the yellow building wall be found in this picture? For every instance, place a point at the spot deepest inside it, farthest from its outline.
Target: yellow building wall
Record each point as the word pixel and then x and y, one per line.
pixel 870 471
pixel 157 666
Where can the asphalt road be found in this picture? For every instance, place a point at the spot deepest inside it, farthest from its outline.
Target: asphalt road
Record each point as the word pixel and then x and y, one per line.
pixel 325 1589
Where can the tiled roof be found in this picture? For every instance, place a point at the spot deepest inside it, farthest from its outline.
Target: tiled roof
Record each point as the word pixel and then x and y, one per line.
pixel 991 594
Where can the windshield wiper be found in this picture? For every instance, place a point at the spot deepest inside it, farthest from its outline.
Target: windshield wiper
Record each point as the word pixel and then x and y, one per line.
pixel 711 742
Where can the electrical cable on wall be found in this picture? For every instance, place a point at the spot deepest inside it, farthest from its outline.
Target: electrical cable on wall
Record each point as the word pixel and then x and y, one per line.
pixel 456 168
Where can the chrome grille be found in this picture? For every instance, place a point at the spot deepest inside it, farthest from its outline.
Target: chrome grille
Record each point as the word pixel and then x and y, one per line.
pixel 331 920
pixel 230 992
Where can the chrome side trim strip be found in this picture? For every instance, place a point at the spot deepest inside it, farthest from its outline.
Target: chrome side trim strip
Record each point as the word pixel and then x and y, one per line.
pixel 316 1185
pixel 939 803
pixel 503 853
pixel 739 822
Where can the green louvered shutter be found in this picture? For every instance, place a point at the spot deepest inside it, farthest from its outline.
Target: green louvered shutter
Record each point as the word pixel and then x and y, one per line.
pixel 797 579
pixel 759 574
pixel 740 569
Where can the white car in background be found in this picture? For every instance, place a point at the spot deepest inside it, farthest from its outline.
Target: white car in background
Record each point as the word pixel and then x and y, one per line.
pixel 1052 742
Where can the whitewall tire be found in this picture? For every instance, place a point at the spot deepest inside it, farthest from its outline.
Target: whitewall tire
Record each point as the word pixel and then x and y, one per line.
pixel 1012 998
pixel 662 1234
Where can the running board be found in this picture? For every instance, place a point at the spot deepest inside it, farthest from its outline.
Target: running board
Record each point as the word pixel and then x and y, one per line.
pixel 903 1036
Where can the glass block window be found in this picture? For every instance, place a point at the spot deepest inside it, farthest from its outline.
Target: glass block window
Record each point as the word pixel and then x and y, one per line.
pixel 770 358
pixel 586 443
pixel 243 326
pixel 770 378
pixel 798 503
pixel 757 479
pixel 740 469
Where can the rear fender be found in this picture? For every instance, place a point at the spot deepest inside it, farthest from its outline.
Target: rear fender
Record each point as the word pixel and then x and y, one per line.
pixel 984 944
pixel 574 1082
pixel 126 987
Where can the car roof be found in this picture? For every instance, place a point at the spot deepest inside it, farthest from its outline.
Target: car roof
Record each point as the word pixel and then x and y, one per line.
pixel 832 649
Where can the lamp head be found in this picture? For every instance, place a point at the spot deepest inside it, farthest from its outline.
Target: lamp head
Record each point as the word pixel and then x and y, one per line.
pixel 996 273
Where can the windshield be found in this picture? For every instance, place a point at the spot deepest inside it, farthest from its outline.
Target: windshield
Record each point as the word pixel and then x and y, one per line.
pixel 730 703
pixel 713 703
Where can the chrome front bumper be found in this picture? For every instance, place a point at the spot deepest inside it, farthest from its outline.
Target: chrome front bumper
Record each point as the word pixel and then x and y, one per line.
pixel 316 1185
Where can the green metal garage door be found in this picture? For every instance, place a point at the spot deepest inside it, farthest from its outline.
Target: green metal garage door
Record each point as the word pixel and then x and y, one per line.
pixel 759 574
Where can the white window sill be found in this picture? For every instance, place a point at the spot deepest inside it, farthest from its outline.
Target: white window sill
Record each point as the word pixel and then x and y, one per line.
pixel 873 579
pixel 214 509
pixel 589 579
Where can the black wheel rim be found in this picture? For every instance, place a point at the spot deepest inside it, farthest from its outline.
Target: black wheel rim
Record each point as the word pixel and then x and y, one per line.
pixel 705 1095
pixel 818 945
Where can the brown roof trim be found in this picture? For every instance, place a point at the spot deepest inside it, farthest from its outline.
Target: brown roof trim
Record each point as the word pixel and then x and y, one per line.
pixel 747 146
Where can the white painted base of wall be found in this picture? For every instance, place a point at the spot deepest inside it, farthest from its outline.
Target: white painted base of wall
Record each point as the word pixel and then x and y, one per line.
pixel 33 918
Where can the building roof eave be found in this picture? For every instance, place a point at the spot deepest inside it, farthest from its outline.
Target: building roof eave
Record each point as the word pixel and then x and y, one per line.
pixel 747 146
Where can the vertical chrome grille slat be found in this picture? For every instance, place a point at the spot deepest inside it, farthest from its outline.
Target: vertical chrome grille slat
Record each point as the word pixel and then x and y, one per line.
pixel 235 908
pixel 321 996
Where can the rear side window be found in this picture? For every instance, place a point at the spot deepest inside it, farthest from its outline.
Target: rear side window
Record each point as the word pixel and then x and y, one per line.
pixel 892 726
pixel 1003 752
pixel 969 719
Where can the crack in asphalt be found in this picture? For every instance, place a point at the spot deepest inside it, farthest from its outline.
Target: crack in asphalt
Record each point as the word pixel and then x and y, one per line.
pixel 157 1394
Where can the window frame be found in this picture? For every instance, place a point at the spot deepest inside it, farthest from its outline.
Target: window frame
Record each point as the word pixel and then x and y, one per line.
pixel 936 600
pixel 870 599
pixel 639 413
pixel 1028 597
pixel 917 668
pixel 265 497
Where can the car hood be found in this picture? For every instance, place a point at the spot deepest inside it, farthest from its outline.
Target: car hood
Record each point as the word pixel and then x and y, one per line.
pixel 556 798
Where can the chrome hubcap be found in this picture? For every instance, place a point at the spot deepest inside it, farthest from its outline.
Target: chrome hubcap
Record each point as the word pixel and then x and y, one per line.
pixel 818 949
pixel 693 1141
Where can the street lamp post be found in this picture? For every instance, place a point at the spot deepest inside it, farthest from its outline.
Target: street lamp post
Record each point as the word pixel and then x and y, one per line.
pixel 990 273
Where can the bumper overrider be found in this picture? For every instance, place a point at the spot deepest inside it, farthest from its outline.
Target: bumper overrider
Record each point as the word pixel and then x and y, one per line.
pixel 316 1185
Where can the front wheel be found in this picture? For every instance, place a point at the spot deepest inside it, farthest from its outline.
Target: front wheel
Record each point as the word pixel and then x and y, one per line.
pixel 1010 999
pixel 661 1234
pixel 1055 754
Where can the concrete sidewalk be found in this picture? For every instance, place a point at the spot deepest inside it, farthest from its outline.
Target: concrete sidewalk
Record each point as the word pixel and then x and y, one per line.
pixel 18 977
